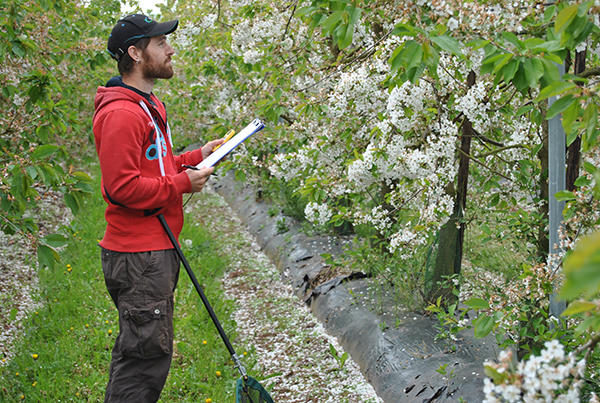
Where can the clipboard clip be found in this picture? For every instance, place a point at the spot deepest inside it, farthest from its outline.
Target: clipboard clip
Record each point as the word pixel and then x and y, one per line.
pixel 228 136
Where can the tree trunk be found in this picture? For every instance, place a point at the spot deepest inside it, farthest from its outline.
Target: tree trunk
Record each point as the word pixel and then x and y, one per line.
pixel 574 150
pixel 448 258
pixel 543 242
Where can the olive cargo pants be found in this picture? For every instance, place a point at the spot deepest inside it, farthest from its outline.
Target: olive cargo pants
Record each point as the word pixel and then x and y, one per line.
pixel 141 285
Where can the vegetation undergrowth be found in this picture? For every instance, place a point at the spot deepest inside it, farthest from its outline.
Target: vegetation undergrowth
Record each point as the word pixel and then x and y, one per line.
pixel 65 350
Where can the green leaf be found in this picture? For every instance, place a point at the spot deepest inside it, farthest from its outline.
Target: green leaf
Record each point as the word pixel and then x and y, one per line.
pixel 552 57
pixel 431 56
pixel 477 303
pixel 483 325
pixel 413 73
pixel 590 122
pixel 55 240
pixel 578 307
pixel 404 30
pixel 564 195
pixel 508 71
pixel 570 116
pixel 332 21
pixel 73 201
pixel 549 13
pixel 534 69
pixel 82 176
pixel 589 167
pixel 409 55
pixel 589 323
pixel 582 269
pixel 519 80
pixel 548 47
pixel 533 43
pixel 47 256
pixel 448 44
pixel 502 62
pixel 559 105
pixel 488 63
pixel 551 73
pixel 497 377
pixel 302 11
pixel 582 181
pixel 44 151
pixel 524 109
pixel 345 38
pixel 554 89
pixel 512 38
pixel 564 17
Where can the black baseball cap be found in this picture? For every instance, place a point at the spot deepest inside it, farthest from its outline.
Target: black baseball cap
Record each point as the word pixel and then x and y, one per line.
pixel 129 29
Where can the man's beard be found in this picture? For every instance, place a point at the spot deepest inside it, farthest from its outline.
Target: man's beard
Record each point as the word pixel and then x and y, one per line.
pixel 152 69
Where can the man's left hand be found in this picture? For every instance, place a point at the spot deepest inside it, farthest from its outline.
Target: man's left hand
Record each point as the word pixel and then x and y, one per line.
pixel 208 147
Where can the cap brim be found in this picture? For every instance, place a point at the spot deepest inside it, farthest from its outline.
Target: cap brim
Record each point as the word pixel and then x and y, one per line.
pixel 164 28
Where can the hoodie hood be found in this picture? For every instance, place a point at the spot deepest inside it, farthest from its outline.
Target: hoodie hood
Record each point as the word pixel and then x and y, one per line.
pixel 116 91
pixel 106 95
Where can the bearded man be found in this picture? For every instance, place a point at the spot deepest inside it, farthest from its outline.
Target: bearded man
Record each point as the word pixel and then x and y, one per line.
pixel 141 178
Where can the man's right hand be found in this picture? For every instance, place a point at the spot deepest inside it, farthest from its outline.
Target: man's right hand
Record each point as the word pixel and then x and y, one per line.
pixel 198 178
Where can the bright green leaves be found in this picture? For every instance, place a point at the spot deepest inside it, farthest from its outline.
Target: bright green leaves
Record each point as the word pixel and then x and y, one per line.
pixel 573 24
pixel 411 59
pixel 79 184
pixel 46 107
pixel 40 86
pixel 448 44
pixel 582 270
pixel 48 249
pixel 408 57
pixel 565 16
pixel 582 283
pixel 484 324
pixel 44 151
pixel 336 19
pixel 477 303
pixel 524 72
pixel 555 88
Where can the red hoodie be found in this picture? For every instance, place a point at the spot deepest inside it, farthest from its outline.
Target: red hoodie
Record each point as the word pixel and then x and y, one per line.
pixel 132 183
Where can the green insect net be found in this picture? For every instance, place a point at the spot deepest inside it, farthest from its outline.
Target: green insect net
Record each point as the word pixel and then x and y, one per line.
pixel 250 391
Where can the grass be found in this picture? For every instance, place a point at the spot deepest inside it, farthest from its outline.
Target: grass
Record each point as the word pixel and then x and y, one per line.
pixel 64 352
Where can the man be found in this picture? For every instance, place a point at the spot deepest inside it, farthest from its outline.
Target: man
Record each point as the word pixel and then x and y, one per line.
pixel 141 178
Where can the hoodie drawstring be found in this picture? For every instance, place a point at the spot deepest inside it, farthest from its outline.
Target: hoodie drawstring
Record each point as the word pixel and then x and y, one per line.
pixel 159 137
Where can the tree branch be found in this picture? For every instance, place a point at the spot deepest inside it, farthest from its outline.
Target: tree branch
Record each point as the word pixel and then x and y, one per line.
pixel 593 71
pixel 499 150
pixel 287 26
pixel 483 164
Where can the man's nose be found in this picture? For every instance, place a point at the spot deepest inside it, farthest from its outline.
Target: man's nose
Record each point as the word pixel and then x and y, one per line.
pixel 170 50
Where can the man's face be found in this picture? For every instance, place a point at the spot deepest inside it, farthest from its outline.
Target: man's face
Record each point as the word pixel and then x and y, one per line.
pixel 157 58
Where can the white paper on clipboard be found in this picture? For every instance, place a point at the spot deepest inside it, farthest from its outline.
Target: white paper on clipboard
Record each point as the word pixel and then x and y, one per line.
pixel 228 146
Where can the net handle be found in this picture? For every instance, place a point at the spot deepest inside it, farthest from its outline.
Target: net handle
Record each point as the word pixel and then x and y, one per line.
pixel 207 305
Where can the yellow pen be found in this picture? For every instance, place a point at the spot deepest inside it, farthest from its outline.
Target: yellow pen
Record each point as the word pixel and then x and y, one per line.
pixel 228 136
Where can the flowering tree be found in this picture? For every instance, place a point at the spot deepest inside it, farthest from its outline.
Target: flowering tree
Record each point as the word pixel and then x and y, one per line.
pixel 408 122
pixel 382 124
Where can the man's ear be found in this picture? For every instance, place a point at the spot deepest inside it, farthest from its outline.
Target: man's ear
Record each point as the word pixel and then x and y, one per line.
pixel 135 53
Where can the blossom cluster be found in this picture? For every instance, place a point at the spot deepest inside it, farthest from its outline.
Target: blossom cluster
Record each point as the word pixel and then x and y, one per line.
pixel 318 214
pixel 249 36
pixel 552 376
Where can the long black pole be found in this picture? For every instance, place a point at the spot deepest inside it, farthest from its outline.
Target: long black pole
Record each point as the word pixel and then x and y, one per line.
pixel 207 305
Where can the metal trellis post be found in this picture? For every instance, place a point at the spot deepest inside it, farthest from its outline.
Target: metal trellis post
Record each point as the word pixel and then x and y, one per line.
pixel 556 183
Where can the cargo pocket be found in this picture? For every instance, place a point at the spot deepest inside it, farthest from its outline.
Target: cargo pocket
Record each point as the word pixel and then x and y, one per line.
pixel 146 330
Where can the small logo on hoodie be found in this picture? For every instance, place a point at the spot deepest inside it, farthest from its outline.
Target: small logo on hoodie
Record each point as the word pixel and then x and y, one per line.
pixel 151 153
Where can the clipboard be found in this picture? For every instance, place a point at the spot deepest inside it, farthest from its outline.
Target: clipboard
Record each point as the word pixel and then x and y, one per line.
pixel 254 127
